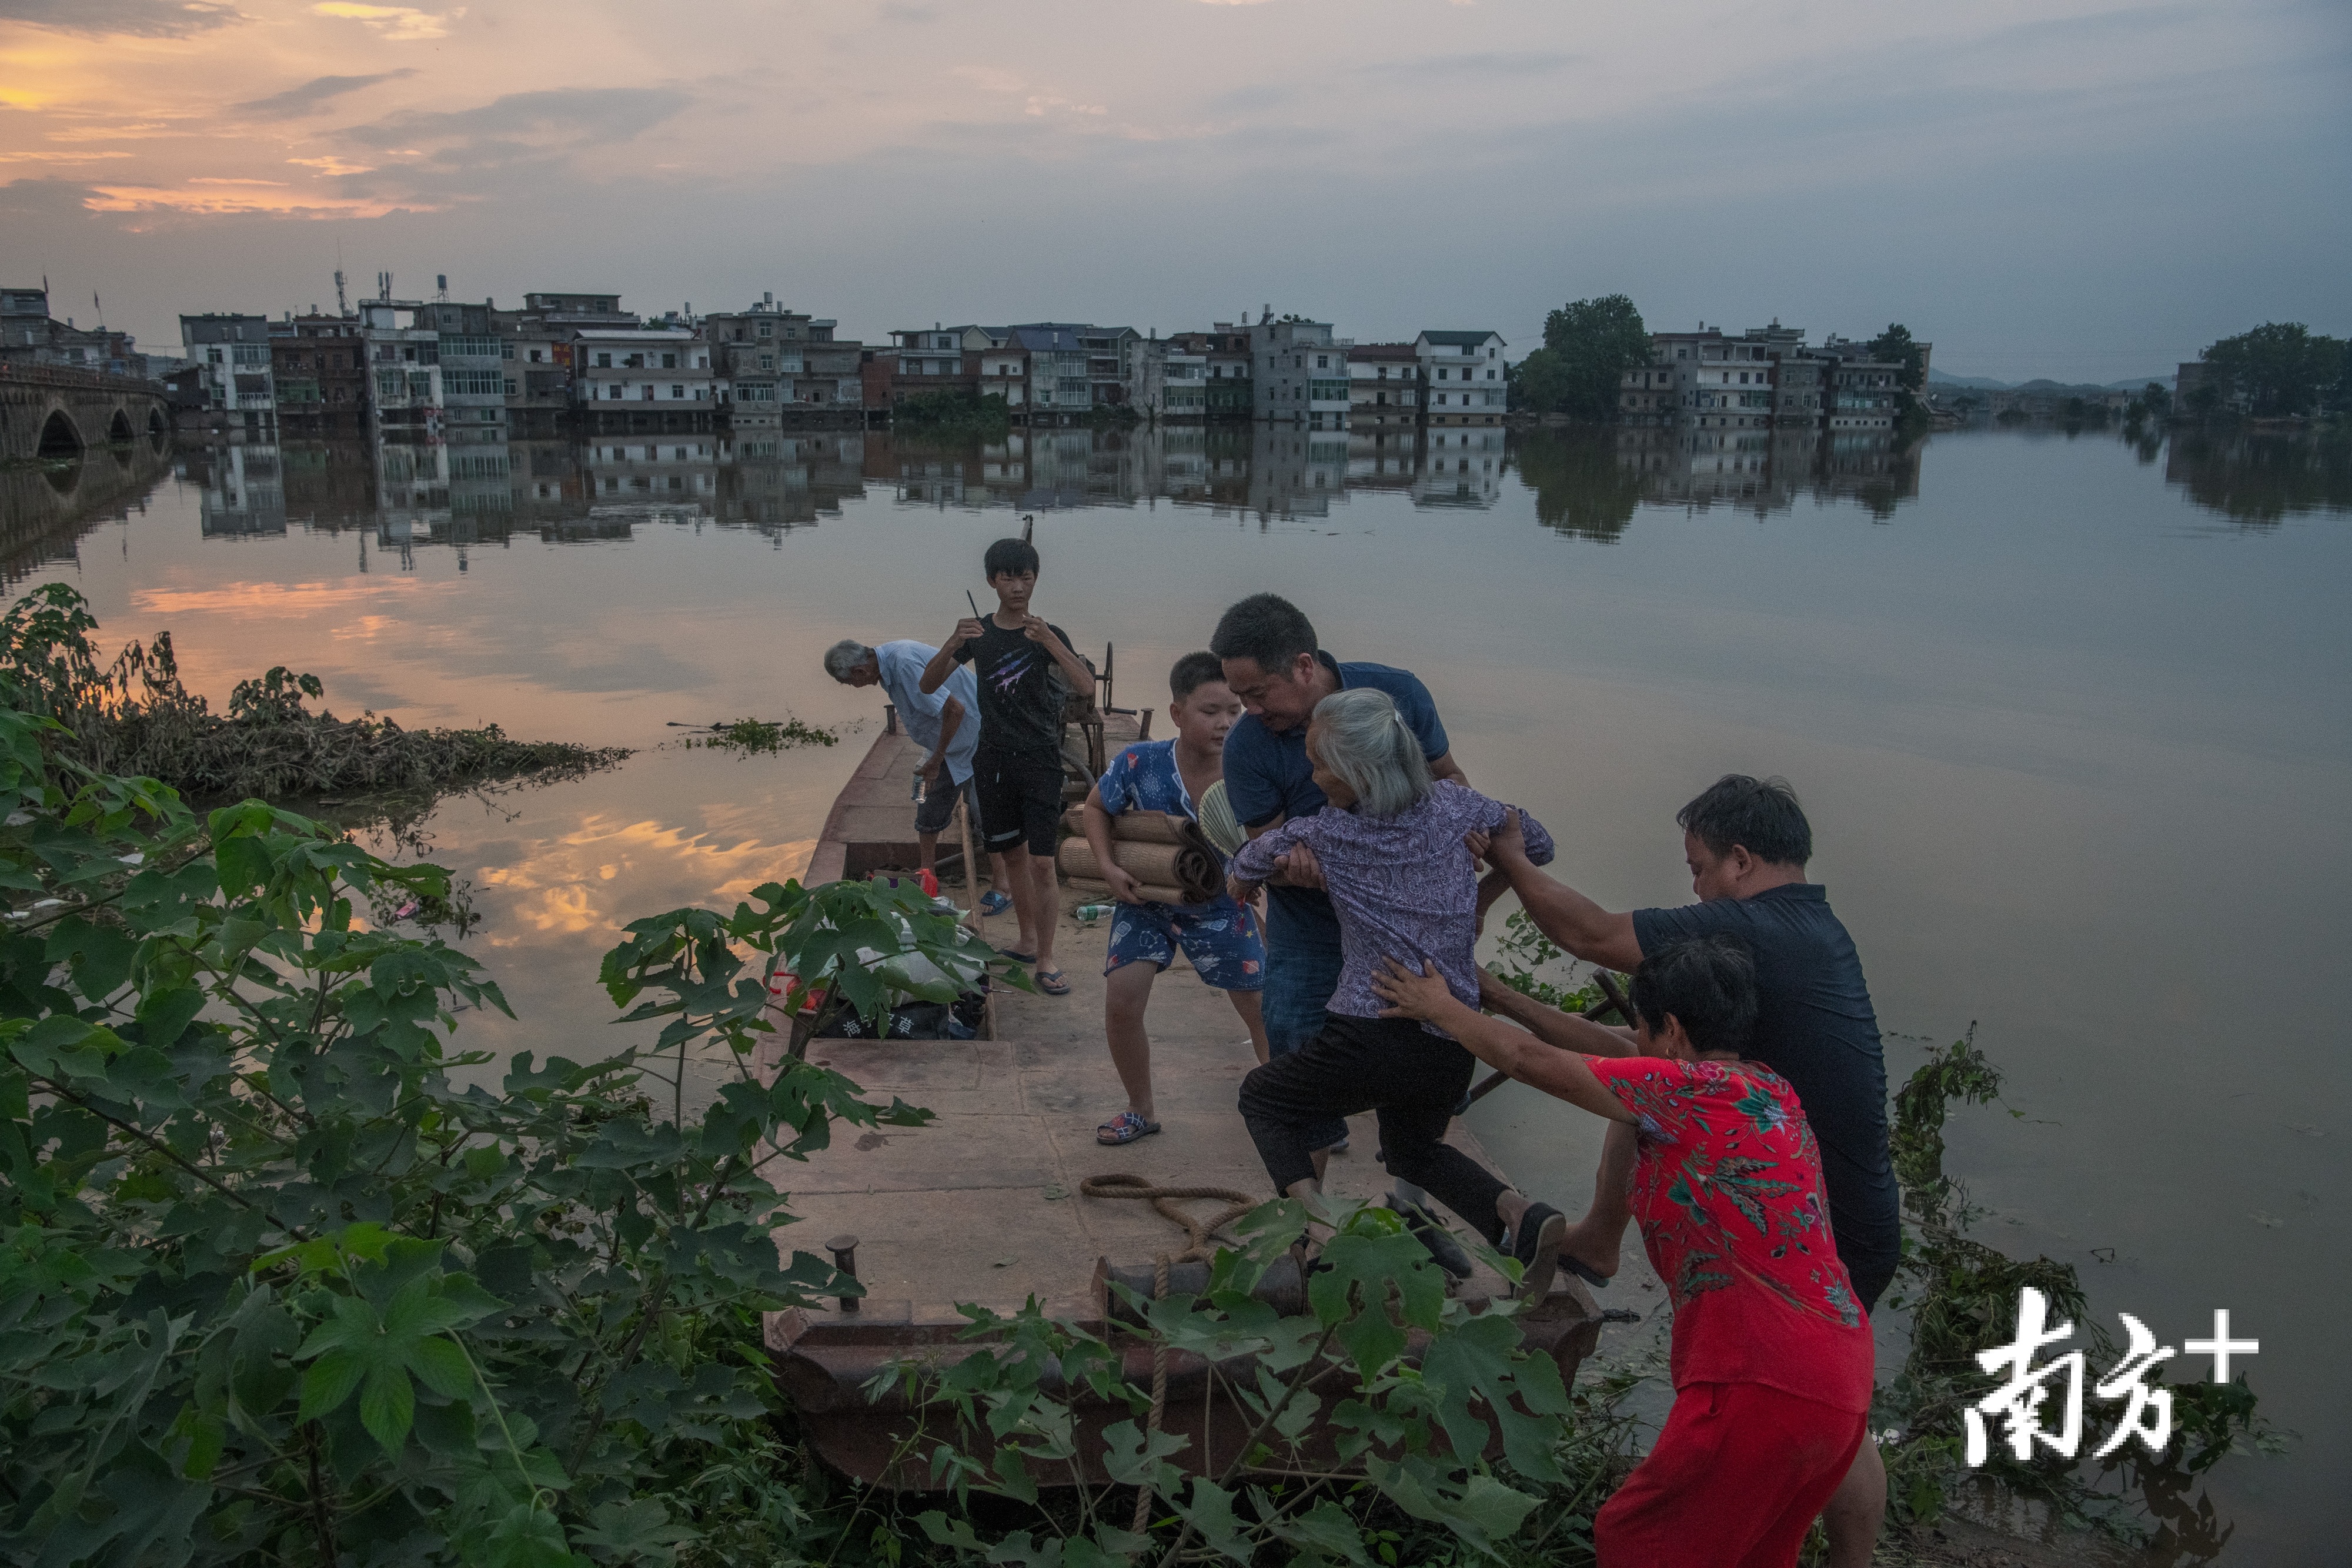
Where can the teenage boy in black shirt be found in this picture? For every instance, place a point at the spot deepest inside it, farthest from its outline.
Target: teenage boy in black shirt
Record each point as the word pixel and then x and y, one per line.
pixel 1747 841
pixel 1027 667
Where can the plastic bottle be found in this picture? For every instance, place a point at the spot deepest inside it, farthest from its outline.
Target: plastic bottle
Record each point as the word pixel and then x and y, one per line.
pixel 1091 913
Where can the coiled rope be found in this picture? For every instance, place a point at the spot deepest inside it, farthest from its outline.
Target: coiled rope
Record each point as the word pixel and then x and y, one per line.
pixel 1165 1199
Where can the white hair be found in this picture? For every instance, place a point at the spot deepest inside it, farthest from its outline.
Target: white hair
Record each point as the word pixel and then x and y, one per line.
pixel 1366 741
pixel 845 658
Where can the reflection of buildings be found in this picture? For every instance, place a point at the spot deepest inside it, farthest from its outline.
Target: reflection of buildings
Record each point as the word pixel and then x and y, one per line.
pixel 244 489
pixel 783 480
pixel 1461 468
pixel 1763 470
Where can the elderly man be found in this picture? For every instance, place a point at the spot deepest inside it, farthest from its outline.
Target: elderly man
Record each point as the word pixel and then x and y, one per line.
pixel 946 720
pixel 1746 843
pixel 1273 663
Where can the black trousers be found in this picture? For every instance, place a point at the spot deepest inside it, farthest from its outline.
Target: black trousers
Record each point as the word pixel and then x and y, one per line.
pixel 1394 1066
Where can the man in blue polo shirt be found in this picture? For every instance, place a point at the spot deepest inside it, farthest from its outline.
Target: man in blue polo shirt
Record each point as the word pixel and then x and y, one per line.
pixel 1271 662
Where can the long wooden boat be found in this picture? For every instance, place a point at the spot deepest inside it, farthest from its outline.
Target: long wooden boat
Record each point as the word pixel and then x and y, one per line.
pixel 984 1205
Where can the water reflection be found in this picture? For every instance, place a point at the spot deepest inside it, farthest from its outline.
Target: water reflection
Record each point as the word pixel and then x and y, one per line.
pixel 2258 478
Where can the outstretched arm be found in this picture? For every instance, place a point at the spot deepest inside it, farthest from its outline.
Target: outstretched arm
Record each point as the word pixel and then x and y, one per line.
pixel 1580 925
pixel 1565 1030
pixel 1561 1074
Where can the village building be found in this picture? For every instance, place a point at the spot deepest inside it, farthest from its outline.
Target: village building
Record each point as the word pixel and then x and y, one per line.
pixel 1462 377
pixel 1300 373
pixel 1384 386
pixel 643 378
pixel 231 353
pixel 318 366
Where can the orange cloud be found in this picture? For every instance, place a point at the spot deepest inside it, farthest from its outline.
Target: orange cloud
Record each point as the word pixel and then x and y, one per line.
pixel 396 23
pixel 218 197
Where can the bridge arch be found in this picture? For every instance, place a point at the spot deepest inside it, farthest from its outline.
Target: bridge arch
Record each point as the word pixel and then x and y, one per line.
pixel 155 425
pixel 59 436
pixel 118 430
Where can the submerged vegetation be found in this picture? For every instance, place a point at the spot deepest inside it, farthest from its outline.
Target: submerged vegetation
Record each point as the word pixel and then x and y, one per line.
pixel 753 736
pixel 135 718
pixel 952 412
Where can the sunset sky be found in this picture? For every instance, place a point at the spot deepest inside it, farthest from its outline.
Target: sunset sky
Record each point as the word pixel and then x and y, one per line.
pixel 2042 187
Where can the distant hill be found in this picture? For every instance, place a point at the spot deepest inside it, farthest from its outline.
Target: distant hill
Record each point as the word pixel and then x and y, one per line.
pixel 1986 383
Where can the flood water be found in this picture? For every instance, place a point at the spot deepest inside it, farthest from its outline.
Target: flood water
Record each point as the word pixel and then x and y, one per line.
pixel 2069 716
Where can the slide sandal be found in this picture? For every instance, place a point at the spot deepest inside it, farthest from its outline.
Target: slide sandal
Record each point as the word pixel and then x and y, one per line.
pixel 1125 1128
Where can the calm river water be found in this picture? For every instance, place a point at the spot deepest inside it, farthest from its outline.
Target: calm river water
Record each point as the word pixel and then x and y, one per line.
pixel 2069 715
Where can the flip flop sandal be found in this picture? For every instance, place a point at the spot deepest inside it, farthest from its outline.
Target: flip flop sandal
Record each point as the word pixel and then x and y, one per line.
pixel 1536 1245
pixel 995 904
pixel 1053 983
pixel 1016 957
pixel 1125 1128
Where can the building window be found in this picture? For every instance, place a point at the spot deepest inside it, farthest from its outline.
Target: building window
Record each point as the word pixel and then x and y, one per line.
pixel 678 392
pixel 603 361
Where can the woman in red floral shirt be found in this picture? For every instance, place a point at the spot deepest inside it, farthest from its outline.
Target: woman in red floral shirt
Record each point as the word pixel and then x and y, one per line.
pixel 1772 1359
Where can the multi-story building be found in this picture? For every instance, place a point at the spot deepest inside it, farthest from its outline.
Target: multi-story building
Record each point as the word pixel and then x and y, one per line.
pixel 29 335
pixel 1075 365
pixel 1767 378
pixel 473 358
pixel 927 362
pixel 404 362
pixel 1462 377
pixel 1384 386
pixel 1300 373
pixel 232 353
pixel 24 320
pixel 755 353
pixel 1231 394
pixel 830 378
pixel 319 367
pixel 1167 379
pixel 1005 370
pixel 535 356
pixel 642 379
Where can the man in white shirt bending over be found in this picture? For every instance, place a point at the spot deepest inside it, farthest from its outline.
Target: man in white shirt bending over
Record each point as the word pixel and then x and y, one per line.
pixel 946 720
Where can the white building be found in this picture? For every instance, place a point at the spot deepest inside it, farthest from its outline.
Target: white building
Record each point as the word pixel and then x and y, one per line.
pixel 1462 377
pixel 233 354
pixel 642 371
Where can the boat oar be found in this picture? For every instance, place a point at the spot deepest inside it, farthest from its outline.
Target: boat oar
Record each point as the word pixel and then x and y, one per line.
pixel 1612 1000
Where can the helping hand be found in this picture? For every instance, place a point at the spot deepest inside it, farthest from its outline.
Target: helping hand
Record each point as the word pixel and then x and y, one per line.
pixel 1411 995
pixel 1494 996
pixel 1505 844
pixel 1240 889
pixel 1299 868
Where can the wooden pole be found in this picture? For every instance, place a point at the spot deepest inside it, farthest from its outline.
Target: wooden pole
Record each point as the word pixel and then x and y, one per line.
pixel 972 915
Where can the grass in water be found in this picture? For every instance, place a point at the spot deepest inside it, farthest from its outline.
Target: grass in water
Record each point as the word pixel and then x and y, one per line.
pixel 134 717
pixel 750 736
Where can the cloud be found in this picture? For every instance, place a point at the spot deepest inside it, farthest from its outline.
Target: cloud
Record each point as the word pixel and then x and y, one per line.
pixel 205 197
pixel 332 166
pixel 300 101
pixel 521 126
pixel 395 24
pixel 124 18
pixel 56 157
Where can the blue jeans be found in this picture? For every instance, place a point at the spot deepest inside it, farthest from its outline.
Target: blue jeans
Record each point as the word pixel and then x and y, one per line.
pixel 1299 981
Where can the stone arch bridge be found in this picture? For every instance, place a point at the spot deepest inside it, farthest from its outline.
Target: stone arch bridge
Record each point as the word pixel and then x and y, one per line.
pixel 55 412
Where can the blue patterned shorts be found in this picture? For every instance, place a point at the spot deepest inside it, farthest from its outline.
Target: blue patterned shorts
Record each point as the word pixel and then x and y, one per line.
pixel 1220 937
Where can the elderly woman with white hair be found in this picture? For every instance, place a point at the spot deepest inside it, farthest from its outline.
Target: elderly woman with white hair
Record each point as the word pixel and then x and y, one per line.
pixel 1389 846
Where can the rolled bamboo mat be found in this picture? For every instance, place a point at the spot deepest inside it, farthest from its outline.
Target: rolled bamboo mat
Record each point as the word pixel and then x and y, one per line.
pixel 1171 873
pixel 1134 827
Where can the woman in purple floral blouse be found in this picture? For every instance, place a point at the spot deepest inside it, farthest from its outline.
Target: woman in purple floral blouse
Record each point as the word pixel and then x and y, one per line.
pixel 1389 847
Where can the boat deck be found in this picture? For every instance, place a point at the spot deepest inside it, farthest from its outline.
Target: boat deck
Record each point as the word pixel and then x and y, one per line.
pixel 982 1206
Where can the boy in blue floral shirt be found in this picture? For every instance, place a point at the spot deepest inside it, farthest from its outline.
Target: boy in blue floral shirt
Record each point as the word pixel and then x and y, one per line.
pixel 1221 938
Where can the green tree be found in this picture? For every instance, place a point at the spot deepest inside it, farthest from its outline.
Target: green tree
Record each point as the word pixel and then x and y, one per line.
pixel 2158 397
pixel 2279 369
pixel 1589 345
pixel 1896 346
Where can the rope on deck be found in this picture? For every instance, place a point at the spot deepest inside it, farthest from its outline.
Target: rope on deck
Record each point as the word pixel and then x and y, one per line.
pixel 1165 1199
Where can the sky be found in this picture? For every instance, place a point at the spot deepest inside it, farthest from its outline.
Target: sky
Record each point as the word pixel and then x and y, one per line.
pixel 2066 188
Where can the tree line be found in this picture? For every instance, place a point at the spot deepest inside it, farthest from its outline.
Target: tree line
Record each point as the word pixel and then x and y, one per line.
pixel 2281 370
pixel 1591 344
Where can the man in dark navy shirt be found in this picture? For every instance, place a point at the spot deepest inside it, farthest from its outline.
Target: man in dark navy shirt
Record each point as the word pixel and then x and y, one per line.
pixel 1746 843
pixel 1271 664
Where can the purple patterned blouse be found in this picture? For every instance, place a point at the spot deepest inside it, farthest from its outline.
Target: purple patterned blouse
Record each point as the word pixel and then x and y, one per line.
pixel 1403 884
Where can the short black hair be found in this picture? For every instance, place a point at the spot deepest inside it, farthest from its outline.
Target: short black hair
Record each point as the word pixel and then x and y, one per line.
pixel 1012 555
pixel 1265 628
pixel 1761 813
pixel 1193 671
pixel 1707 982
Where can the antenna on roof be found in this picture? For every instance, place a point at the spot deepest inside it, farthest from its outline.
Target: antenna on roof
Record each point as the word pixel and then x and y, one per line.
pixel 1028 528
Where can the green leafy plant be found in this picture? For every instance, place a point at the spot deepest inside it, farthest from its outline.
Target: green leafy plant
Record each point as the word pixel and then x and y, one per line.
pixel 1526 960
pixel 1962 1296
pixel 284 1276
pixel 1371 1415
pixel 754 736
